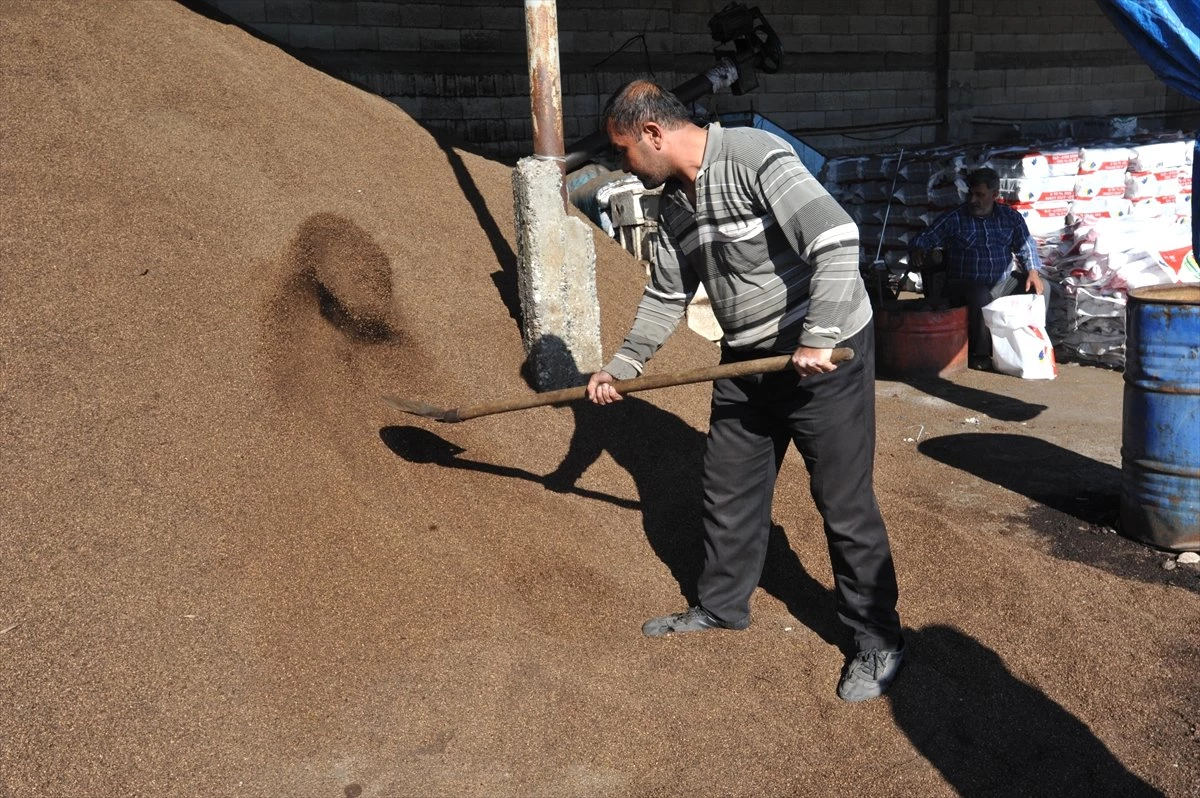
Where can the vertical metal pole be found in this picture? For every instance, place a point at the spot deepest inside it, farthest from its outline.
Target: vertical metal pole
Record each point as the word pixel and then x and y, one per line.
pixel 545 83
pixel 941 92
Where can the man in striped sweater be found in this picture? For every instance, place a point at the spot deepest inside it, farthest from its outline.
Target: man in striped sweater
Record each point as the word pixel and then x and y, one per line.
pixel 778 258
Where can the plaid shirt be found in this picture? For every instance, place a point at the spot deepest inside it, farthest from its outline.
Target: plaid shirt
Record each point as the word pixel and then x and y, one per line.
pixel 777 255
pixel 981 249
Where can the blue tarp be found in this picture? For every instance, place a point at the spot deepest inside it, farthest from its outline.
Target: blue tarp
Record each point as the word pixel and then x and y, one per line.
pixel 811 159
pixel 1166 34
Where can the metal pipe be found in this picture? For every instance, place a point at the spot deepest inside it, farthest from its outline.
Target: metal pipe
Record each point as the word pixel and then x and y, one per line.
pixel 998 120
pixel 902 123
pixel 545 83
pixel 941 96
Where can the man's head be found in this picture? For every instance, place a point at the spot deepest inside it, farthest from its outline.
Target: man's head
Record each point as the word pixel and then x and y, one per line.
pixel 637 119
pixel 984 186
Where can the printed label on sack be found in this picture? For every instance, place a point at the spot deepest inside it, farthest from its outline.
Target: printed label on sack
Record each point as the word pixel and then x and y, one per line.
pixel 1175 258
pixel 1047 352
pixel 1103 160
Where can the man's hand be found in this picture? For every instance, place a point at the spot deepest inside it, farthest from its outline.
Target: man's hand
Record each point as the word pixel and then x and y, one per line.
pixel 1034 282
pixel 808 361
pixel 926 260
pixel 600 389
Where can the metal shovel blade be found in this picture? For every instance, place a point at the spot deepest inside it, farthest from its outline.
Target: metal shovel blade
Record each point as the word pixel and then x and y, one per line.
pixel 416 408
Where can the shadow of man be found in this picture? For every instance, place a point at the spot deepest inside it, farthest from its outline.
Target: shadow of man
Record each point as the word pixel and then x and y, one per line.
pixel 659 450
pixel 663 455
pixel 418 445
pixel 994 405
pixel 989 733
pixel 1029 466
pixel 1075 500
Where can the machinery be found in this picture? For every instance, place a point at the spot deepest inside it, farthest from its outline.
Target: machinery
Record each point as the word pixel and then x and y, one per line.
pixel 755 45
pixel 746 44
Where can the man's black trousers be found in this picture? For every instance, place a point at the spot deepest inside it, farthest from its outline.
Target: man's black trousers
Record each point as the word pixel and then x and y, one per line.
pixel 975 296
pixel 831 419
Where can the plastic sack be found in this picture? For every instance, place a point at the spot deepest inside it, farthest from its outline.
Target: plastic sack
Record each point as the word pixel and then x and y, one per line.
pixel 1020 345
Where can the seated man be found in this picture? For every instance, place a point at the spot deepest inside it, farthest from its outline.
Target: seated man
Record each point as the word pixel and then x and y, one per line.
pixel 978 241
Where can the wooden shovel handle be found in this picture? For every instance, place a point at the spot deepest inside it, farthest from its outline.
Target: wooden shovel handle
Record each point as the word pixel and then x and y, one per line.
pixel 706 374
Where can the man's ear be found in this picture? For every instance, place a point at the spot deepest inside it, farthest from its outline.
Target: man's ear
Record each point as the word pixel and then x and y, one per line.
pixel 654 132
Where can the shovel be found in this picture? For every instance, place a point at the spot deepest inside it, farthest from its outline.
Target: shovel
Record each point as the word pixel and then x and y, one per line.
pixel 567 395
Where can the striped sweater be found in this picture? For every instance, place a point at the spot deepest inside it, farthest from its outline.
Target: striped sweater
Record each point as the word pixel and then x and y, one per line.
pixel 777 255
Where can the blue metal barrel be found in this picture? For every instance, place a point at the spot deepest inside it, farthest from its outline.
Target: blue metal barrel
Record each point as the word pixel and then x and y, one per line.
pixel 1160 436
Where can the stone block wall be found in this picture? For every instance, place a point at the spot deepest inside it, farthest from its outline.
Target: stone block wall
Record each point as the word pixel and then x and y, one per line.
pixel 857 75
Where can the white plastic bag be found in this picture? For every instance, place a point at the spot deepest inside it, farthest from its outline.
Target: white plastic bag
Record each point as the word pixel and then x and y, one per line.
pixel 1020 345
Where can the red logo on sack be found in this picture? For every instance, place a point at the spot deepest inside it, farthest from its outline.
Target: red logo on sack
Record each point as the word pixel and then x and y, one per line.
pixel 1047 350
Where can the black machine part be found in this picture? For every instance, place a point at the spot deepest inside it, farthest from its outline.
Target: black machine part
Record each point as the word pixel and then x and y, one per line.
pixel 755 46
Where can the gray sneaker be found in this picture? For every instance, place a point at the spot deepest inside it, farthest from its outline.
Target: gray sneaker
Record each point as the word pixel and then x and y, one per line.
pixel 870 674
pixel 695 619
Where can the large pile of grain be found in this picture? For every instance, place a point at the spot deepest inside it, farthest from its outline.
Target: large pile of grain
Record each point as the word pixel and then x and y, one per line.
pixel 230 569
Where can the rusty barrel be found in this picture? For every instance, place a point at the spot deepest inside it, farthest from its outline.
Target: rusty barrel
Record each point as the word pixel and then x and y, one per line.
pixel 911 341
pixel 1160 435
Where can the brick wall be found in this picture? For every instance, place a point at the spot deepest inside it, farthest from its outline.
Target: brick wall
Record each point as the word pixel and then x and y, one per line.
pixel 857 75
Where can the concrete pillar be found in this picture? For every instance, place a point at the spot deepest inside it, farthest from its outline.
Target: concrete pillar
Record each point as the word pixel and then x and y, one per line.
pixel 960 71
pixel 556 274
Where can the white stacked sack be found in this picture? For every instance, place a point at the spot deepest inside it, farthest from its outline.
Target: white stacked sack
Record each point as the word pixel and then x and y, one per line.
pixel 1130 227
pixel 1091 280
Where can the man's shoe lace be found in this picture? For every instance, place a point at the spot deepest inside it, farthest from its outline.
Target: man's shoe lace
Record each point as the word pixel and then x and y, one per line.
pixel 871 662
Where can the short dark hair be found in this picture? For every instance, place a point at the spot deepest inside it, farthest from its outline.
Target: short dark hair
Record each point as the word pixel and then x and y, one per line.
pixel 640 101
pixel 984 177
